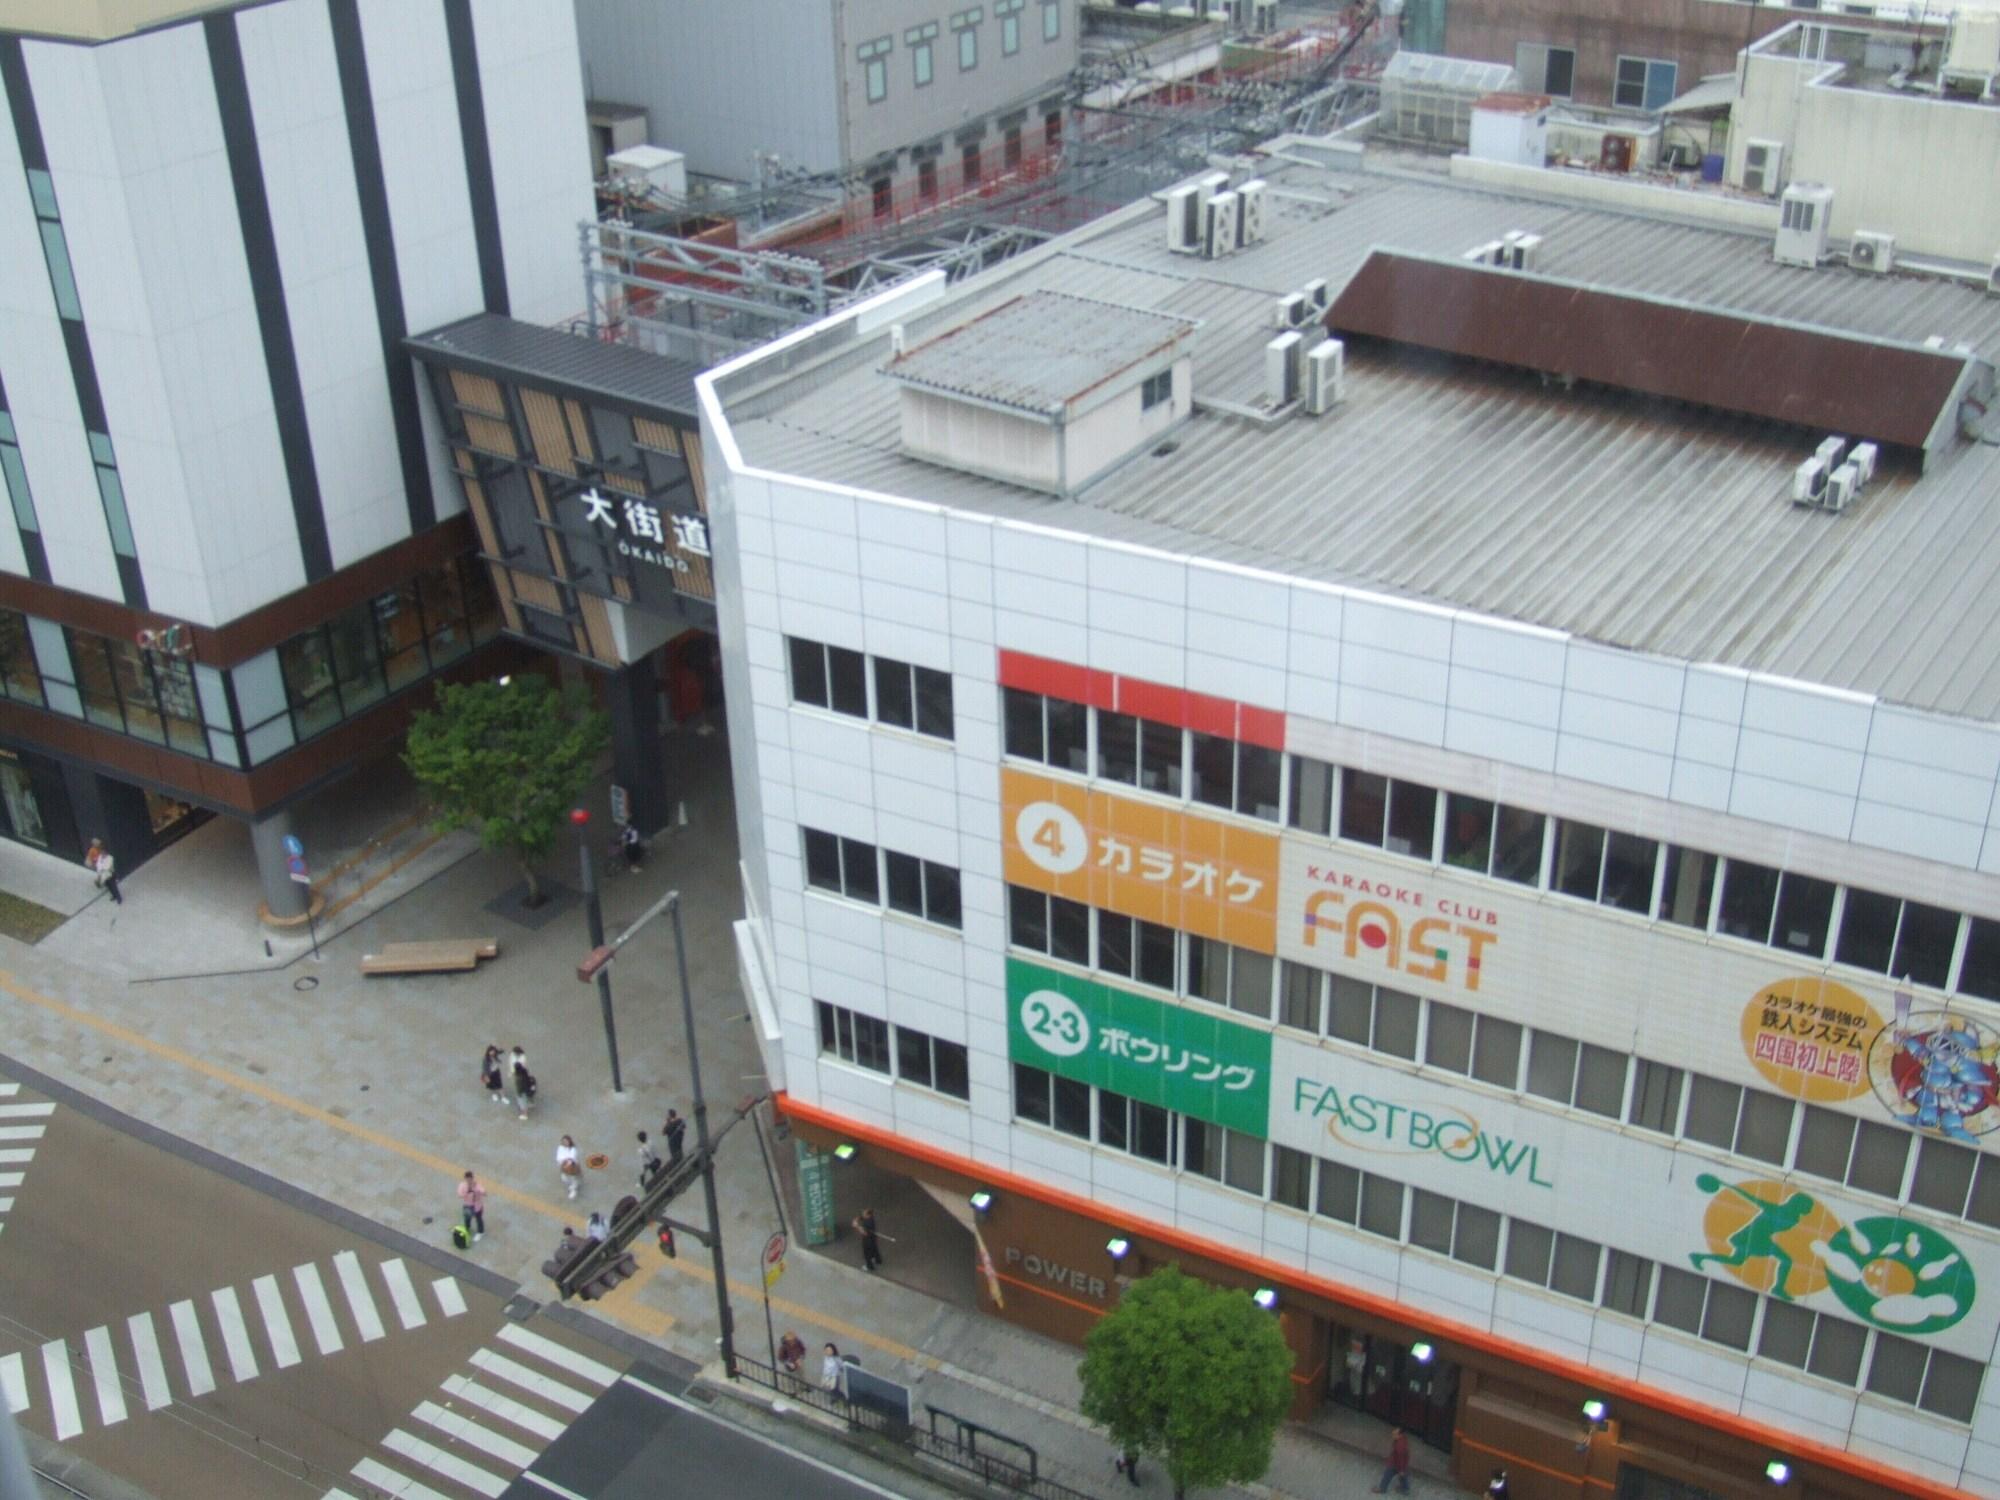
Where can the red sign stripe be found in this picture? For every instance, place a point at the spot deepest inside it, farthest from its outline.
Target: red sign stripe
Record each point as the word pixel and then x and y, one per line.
pixel 1149 700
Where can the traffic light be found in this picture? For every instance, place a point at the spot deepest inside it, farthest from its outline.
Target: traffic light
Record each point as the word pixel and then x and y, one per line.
pixel 619 1268
pixel 667 1241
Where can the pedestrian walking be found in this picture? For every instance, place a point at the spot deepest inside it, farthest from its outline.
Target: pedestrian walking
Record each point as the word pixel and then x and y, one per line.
pixel 649 1162
pixel 103 869
pixel 675 1130
pixel 597 1229
pixel 631 845
pixel 1398 1466
pixel 791 1351
pixel 831 1369
pixel 1127 1463
pixel 493 1073
pixel 1496 1487
pixel 472 1204
pixel 523 1081
pixel 871 1243
pixel 568 1166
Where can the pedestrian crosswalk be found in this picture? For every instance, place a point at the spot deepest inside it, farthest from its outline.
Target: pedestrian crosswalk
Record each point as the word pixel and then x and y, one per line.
pixel 489 1422
pixel 19 1127
pixel 152 1361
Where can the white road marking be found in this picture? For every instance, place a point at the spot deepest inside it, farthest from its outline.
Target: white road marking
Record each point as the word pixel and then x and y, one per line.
pixel 26 1111
pixel 104 1374
pixel 18 1158
pixel 13 1382
pixel 359 1300
pixel 403 1293
pixel 194 1353
pixel 5 1204
pixel 235 1336
pixel 62 1390
pixel 451 1302
pixel 9 1088
pixel 555 1354
pixel 277 1324
pixel 152 1369
pixel 562 1492
pixel 336 1495
pixel 389 1482
pixel 552 1391
pixel 506 1408
pixel 23 1132
pixel 470 1433
pixel 319 1311
pixel 10 1179
pixel 450 1465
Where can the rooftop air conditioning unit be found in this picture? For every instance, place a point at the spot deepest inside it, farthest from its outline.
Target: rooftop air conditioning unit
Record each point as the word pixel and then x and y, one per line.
pixel 1840 487
pixel 1219 226
pixel 1809 481
pixel 1184 220
pixel 1863 459
pixel 1250 211
pixel 1291 311
pixel 1993 276
pixel 1802 225
pixel 1523 251
pixel 1326 377
pixel 1316 292
pixel 1831 452
pixel 1284 368
pixel 1487 254
pixel 1869 251
pixel 1763 166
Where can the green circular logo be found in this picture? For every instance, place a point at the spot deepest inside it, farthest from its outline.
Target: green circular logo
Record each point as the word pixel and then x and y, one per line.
pixel 1899 1275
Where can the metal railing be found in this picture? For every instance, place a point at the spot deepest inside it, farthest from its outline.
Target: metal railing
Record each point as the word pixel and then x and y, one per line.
pixel 958 1449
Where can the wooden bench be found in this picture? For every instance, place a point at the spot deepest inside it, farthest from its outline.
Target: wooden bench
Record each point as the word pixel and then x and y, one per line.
pixel 447 956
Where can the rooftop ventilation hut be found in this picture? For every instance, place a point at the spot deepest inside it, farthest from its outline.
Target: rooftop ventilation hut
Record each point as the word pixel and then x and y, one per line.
pixel 1046 390
pixel 1428 100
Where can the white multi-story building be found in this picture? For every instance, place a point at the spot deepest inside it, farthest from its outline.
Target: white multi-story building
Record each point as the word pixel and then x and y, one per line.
pixel 220 222
pixel 1487 832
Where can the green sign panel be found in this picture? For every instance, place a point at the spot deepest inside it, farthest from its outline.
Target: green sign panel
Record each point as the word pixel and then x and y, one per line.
pixel 1184 1058
pixel 816 1189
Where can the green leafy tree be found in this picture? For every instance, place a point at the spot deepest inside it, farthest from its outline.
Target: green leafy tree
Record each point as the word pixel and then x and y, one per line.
pixel 508 760
pixel 1197 1376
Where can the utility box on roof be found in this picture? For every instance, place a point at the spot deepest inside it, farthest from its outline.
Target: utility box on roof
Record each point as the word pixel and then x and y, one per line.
pixel 1511 128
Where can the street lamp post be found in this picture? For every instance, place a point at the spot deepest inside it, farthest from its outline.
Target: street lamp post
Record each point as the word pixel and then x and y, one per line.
pixel 594 914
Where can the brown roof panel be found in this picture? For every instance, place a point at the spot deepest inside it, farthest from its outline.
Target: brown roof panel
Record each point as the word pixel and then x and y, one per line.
pixel 1808 377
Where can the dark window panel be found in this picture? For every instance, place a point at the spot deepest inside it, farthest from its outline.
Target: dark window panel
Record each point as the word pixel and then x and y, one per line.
pixel 1836 1350
pixel 1156 955
pixel 1787 1333
pixel 1214 770
pixel 1477 1238
pixel 1069 731
pixel 871 1043
pixel 913 1056
pixel 1364 806
pixel 1250 982
pixel 1312 794
pixel 941 903
pixel 1765 1131
pixel 1749 892
pixel 1628 872
pixel 1027 918
pixel 1072 1107
pixel 1448 1038
pixel 1897 1370
pixel 1826 1144
pixel 822 860
pixel 1381 1206
pixel 1656 1097
pixel 1552 1067
pixel 1529 1247
pixel 1496 1052
pixel 1731 1312
pixel 952 1076
pixel 1118 747
pixel 1430 1221
pixel 934 710
pixel 857 870
pixel 1600 1081
pixel 1944 1176
pixel 1022 713
pixel 1339 1191
pixel 1031 1093
pixel 1291 1177
pixel 1712 1110
pixel 1951 1386
pixel 1805 911
pixel 1114 1119
pixel 1679 1300
pixel 1207 970
pixel 1299 991
pixel 1688 886
pixel 847 673
pixel 1574 1272
pixel 1412 827
pixel 906 882
pixel 1881 1152
pixel 1628 1284
pixel 1069 930
pixel 1160 758
pixel 1924 945
pixel 895 703
pixel 1351 1017
pixel 1396 1023
pixel 1517 845
pixel 1257 776
pixel 1114 944
pixel 1468 832
pixel 1579 859
pixel 1868 930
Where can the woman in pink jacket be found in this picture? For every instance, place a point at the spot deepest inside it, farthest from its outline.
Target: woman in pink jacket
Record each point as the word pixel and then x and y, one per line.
pixel 472 1205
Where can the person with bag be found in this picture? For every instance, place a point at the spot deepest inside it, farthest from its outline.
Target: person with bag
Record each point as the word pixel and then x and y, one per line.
pixel 524 1081
pixel 493 1075
pixel 649 1162
pixel 104 870
pixel 832 1370
pixel 472 1206
pixel 570 1169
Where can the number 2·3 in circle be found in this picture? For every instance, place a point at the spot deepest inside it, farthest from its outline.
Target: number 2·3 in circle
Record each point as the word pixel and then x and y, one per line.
pixel 1052 836
pixel 1055 1023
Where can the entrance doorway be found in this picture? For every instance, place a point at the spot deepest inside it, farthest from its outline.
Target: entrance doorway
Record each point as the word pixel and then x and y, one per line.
pixel 21 810
pixel 1385 1379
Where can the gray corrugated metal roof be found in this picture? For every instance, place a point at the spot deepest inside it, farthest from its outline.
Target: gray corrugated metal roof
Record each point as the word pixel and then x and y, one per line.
pixel 1039 351
pixel 1620 519
pixel 621 376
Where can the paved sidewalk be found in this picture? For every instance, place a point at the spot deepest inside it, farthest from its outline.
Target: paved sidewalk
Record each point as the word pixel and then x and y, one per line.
pixel 365 1091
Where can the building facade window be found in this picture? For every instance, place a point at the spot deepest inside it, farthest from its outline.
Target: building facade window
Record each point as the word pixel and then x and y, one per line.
pixel 14 474
pixel 968 163
pixel 874 58
pixel 20 677
pixel 1009 12
pixel 1643 83
pixel 853 1037
pixel 966 26
pixel 860 871
pixel 927 178
pixel 1051 20
pixel 906 696
pixel 1157 390
pixel 921 40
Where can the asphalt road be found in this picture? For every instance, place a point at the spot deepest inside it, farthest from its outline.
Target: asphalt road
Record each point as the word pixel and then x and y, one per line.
pixel 189 1327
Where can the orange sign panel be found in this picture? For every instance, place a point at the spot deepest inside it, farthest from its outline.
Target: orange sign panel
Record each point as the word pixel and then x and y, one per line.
pixel 1158 864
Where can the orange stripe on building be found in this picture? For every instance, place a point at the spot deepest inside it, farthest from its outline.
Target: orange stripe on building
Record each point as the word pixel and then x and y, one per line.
pixel 1203 712
pixel 1795 1446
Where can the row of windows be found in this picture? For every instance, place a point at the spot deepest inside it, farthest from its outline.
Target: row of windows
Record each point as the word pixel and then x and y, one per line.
pixel 874 55
pixel 903 695
pixel 1863 1154
pixel 1570 1265
pixel 1817 919
pixel 904 1054
pixel 862 872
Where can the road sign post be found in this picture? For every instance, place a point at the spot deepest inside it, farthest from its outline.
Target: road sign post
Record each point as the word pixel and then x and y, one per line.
pixel 295 866
pixel 774 1267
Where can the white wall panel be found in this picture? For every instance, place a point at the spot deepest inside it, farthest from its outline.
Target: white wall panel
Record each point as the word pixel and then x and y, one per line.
pixel 1909 1440
pixel 308 168
pixel 1787 1399
pixel 532 81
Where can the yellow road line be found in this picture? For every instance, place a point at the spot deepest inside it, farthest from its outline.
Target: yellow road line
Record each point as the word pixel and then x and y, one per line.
pixel 793 1311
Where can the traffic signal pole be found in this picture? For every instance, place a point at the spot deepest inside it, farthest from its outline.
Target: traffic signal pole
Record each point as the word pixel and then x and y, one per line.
pixel 596 965
pixel 594 915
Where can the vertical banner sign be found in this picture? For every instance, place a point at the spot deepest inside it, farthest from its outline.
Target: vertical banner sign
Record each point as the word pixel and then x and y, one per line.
pixel 1157 864
pixel 816 1193
pixel 1187 1058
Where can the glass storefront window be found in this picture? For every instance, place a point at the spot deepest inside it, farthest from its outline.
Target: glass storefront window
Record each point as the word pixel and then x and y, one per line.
pixel 135 687
pixel 19 676
pixel 444 613
pixel 308 667
pixel 180 705
pixel 356 658
pixel 399 622
pixel 94 680
pixel 24 813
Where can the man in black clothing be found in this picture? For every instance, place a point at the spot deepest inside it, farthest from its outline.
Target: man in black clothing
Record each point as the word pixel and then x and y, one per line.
pixel 871 1246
